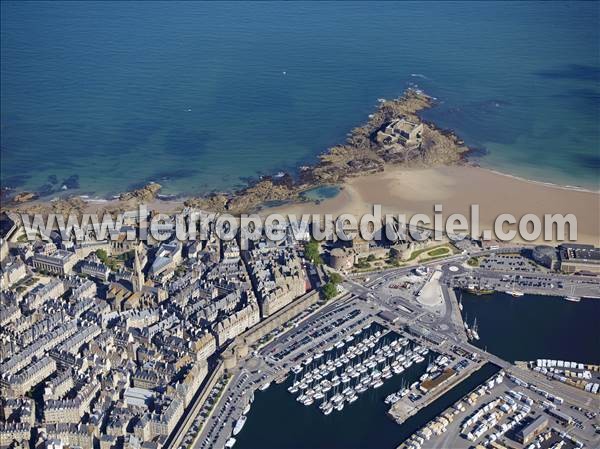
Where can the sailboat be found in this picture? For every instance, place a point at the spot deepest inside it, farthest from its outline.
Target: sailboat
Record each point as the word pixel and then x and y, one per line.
pixel 468 330
pixel 474 330
pixel 460 305
pixel 515 293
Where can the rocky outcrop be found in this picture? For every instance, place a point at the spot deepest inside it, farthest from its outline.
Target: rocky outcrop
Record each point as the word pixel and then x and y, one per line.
pixel 257 194
pixel 63 207
pixel 214 202
pixel 362 154
pixel 144 194
pixel 23 197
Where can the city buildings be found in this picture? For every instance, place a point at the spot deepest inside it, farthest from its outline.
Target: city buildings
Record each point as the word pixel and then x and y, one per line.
pixel 118 353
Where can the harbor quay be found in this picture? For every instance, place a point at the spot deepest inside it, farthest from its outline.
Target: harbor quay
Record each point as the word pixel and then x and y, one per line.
pixel 507 411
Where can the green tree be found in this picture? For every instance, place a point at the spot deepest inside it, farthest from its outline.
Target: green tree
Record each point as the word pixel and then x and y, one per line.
pixel 335 278
pixel 311 252
pixel 329 290
pixel 102 255
pixel 473 262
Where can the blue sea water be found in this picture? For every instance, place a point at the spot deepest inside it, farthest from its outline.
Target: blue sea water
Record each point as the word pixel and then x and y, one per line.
pixel 201 96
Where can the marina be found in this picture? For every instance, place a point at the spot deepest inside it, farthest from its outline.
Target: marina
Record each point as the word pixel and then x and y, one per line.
pixel 364 424
pixel 335 378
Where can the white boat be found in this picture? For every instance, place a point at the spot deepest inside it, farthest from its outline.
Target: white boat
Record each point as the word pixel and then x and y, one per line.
pixel 515 293
pixel 474 332
pixel 230 443
pixel 361 388
pixel 246 409
pixel 263 387
pixel 239 424
pixel 392 398
pixel 573 298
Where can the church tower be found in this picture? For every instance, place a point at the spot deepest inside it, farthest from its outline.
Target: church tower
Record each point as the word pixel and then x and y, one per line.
pixel 138 275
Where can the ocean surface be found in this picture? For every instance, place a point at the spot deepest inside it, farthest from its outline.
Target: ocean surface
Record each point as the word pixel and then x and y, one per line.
pixel 101 97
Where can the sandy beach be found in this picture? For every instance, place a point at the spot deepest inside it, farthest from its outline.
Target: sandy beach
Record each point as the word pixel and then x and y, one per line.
pixel 410 191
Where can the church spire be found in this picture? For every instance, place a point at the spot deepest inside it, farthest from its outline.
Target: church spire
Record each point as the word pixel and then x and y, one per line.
pixel 138 275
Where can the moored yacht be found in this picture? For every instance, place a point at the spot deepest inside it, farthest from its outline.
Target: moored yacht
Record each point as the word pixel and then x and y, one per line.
pixel 239 424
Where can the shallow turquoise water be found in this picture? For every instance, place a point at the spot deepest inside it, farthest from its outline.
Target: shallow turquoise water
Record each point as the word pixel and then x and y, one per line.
pixel 321 193
pixel 202 96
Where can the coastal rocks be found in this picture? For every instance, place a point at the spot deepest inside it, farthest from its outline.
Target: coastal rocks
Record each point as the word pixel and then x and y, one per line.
pixel 346 160
pixel 144 194
pixel 249 198
pixel 216 202
pixel 264 190
pixel 440 148
pixel 61 207
pixel 364 153
pixel 23 197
